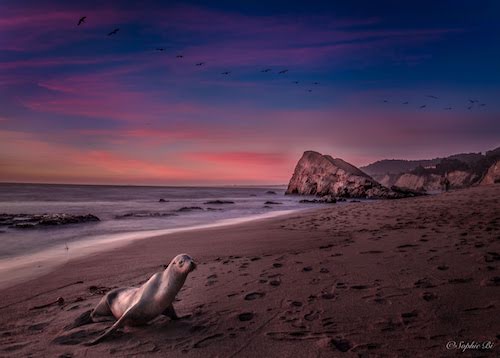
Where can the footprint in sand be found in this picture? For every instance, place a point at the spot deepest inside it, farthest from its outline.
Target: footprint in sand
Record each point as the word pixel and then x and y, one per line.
pixel 340 344
pixel 311 316
pixel 38 326
pixel 460 280
pixel 360 287
pixel 429 296
pixel 275 283
pixel 277 265
pixel 409 317
pixel 307 269
pixel 424 283
pixel 254 295
pixel 442 267
pixel 245 316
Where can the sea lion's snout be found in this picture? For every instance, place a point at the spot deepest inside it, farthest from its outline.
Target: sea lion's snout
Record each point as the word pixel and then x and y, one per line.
pixel 193 265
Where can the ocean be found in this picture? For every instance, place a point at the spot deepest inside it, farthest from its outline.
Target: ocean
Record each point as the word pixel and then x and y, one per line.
pixel 129 211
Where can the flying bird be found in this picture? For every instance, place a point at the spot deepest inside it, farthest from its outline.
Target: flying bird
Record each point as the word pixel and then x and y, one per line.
pixel 160 49
pixel 473 101
pixel 315 83
pixel 431 96
pixel 82 20
pixel 296 82
pixel 179 56
pixel 200 63
pixel 482 105
pixel 448 108
pixel 386 101
pixel 266 70
pixel 469 108
pixel 309 90
pixel 282 72
pixel 405 102
pixel 423 106
pixel 226 73
pixel 114 32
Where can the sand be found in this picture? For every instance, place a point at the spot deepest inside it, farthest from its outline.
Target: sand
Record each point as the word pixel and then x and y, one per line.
pixel 395 278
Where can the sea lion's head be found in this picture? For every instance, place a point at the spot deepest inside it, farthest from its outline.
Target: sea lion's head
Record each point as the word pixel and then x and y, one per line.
pixel 183 263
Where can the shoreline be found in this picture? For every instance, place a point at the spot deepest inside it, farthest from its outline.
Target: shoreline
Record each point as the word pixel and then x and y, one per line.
pixel 385 278
pixel 23 268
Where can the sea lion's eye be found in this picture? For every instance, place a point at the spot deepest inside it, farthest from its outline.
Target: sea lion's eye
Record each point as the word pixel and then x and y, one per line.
pixel 181 262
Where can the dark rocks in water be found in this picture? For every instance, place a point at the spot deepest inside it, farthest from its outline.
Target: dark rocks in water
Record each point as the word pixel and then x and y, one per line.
pixel 270 192
pixel 215 209
pixel 163 201
pixel 327 199
pixel 272 203
pixel 189 208
pixel 218 202
pixel 143 214
pixel 30 221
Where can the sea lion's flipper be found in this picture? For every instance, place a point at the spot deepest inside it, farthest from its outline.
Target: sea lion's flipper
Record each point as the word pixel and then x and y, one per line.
pixel 170 312
pixel 102 312
pixel 114 327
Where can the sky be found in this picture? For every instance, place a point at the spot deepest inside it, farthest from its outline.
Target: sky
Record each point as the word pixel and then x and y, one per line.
pixel 78 105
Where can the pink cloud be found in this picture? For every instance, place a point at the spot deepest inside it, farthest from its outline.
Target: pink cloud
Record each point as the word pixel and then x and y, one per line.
pixel 246 158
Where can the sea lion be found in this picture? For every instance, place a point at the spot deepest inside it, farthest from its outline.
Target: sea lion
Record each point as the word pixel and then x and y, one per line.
pixel 133 306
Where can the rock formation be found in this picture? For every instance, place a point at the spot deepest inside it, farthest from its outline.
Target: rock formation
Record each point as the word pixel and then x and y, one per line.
pixel 492 176
pixel 321 175
pixel 461 171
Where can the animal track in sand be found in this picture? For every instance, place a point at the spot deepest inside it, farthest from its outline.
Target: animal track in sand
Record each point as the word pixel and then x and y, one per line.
pixel 312 316
pixel 341 344
pixel 371 252
pixel 254 295
pixel 245 316
pixel 429 296
pixel 409 317
pixel 460 280
pixel 207 340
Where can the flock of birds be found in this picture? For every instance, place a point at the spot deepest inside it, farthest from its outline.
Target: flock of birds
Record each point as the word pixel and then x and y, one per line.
pixel 473 103
pixel 226 73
